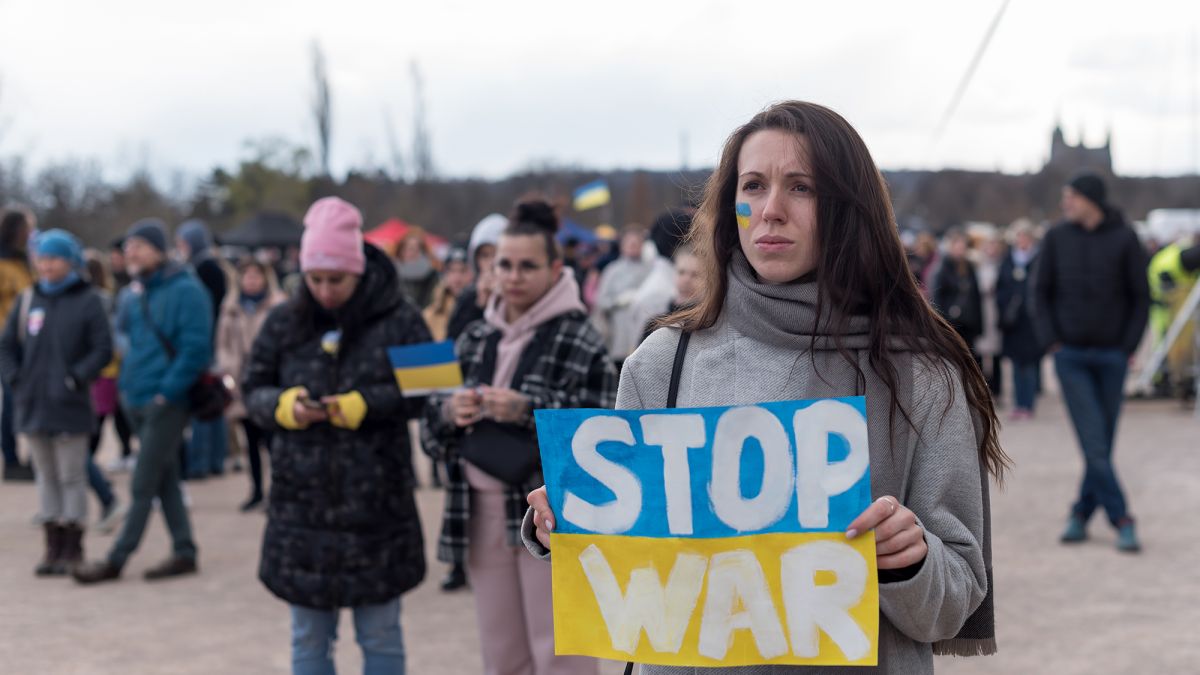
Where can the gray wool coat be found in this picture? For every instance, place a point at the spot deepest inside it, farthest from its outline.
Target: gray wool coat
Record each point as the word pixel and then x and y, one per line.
pixel 942 487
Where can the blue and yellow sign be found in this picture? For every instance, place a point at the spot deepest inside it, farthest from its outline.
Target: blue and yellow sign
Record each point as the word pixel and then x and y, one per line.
pixel 712 536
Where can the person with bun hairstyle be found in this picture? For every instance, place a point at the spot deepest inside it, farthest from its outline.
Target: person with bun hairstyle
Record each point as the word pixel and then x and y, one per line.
pixel 809 297
pixel 534 349
pixel 342 524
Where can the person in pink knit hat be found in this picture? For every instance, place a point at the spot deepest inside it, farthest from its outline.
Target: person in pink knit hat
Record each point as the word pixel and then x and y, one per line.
pixel 342 526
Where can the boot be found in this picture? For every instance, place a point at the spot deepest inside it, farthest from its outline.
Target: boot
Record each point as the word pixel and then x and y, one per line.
pixel 455 579
pixel 51 564
pixel 18 473
pixel 1127 541
pixel 96 572
pixel 72 547
pixel 1075 532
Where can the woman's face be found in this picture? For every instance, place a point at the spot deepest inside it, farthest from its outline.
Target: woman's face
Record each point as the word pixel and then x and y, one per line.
pixel 524 271
pixel 956 247
pixel 779 237
pixel 52 269
pixel 410 250
pixel 331 288
pixel 253 281
pixel 688 274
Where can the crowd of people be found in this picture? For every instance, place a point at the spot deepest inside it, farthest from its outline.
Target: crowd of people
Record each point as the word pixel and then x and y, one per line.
pixel 789 280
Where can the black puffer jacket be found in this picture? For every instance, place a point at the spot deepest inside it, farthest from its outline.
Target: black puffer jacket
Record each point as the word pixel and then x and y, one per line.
pixel 1090 287
pixel 342 525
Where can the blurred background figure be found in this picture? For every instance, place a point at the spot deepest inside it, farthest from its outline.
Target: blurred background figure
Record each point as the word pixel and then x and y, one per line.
pixel 987 259
pixel 615 313
pixel 209 441
pixel 954 290
pixel 456 277
pixel 53 347
pixel 417 268
pixel 658 290
pixel 1093 301
pixel 16 275
pixel 1014 304
pixel 106 404
pixel 245 310
pixel 481 254
pixel 688 286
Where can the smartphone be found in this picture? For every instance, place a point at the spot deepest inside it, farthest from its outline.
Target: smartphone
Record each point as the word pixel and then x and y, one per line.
pixel 311 404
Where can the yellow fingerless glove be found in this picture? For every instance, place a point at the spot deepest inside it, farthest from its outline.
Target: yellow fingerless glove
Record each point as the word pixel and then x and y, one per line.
pixel 349 411
pixel 285 412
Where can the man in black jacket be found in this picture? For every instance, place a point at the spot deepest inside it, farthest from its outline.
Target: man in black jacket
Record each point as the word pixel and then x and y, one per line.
pixel 1092 302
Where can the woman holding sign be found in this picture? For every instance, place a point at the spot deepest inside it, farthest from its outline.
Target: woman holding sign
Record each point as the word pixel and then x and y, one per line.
pixel 807 295
pixel 342 526
pixel 535 349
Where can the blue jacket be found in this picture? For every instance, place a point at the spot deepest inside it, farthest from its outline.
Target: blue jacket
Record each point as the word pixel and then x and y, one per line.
pixel 182 311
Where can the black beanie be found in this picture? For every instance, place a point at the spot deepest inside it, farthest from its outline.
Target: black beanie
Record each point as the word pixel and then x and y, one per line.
pixel 150 230
pixel 668 230
pixel 1091 187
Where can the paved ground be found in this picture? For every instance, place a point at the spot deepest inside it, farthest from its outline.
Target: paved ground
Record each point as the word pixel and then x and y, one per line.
pixel 1061 610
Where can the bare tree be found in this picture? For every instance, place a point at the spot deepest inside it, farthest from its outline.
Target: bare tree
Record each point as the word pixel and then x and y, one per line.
pixel 395 155
pixel 422 152
pixel 321 106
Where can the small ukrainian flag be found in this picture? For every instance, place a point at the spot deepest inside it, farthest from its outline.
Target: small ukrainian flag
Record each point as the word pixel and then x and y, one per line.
pixel 592 195
pixel 426 368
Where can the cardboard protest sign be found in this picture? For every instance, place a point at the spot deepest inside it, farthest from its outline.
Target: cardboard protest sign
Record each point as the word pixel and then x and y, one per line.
pixel 712 536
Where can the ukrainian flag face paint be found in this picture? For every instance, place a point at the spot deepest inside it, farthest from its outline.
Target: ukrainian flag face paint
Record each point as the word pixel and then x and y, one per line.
pixel 743 215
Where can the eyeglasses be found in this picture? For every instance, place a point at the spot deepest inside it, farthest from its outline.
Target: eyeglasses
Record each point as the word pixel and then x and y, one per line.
pixel 520 269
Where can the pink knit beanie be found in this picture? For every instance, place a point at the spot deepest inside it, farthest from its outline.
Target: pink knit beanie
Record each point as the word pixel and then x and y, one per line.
pixel 332 237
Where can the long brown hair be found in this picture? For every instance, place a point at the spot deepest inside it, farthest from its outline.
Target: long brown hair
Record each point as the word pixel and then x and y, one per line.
pixel 861 266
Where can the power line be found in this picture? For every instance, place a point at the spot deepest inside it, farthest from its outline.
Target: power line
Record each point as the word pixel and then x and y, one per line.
pixel 966 78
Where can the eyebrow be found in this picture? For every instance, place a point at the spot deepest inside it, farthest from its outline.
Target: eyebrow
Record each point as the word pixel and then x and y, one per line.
pixel 790 174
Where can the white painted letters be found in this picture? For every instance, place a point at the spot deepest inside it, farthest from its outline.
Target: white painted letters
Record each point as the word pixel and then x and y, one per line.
pixel 734 428
pixel 734 578
pixel 818 479
pixel 620 514
pixel 811 608
pixel 645 605
pixel 676 434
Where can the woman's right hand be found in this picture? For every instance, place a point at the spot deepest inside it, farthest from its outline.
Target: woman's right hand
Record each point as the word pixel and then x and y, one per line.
pixel 464 407
pixel 305 415
pixel 543 517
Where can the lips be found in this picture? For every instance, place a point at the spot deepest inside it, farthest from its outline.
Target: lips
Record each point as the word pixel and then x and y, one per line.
pixel 770 243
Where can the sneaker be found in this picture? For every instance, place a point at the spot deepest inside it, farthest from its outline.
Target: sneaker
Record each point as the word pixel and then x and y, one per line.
pixel 112 516
pixel 171 567
pixel 1127 541
pixel 1076 531
pixel 96 572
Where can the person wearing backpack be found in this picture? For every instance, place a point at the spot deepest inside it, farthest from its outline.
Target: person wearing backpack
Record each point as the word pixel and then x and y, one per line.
pixel 55 343
pixel 168 320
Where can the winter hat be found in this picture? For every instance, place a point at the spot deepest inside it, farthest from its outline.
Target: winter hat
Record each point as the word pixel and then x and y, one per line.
pixel 456 254
pixel 196 235
pixel 332 237
pixel 1091 187
pixel 59 244
pixel 150 230
pixel 669 228
pixel 487 231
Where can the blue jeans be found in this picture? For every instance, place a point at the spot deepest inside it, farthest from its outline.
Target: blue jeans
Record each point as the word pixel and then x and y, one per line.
pixel 160 430
pixel 208 446
pixel 376 629
pixel 99 483
pixel 1093 383
pixel 1025 384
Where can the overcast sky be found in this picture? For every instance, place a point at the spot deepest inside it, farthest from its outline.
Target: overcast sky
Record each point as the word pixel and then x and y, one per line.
pixel 182 85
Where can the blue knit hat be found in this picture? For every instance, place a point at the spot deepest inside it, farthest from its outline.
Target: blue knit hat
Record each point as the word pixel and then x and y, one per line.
pixel 59 244
pixel 150 230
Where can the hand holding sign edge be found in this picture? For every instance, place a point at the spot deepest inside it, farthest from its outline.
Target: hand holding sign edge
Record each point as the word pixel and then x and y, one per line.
pixel 899 538
pixel 543 517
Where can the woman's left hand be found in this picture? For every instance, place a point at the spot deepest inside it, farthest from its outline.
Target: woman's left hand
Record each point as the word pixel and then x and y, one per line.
pixel 899 540
pixel 504 405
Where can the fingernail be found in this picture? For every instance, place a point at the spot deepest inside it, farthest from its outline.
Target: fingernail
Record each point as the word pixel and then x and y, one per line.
pixel 851 533
pixel 549 526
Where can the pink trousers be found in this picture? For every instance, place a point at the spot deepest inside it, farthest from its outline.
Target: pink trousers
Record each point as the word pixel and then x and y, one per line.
pixel 512 599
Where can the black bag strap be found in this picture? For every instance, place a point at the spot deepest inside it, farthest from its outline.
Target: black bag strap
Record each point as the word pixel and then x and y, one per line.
pixel 672 400
pixel 166 344
pixel 677 368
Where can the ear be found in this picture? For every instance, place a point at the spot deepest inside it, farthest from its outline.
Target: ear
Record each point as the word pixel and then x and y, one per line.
pixel 556 267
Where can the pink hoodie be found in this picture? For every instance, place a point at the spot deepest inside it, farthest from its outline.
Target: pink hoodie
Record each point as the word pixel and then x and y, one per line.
pixel 562 297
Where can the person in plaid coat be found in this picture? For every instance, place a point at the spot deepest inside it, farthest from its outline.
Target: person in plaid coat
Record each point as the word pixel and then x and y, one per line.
pixel 534 349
